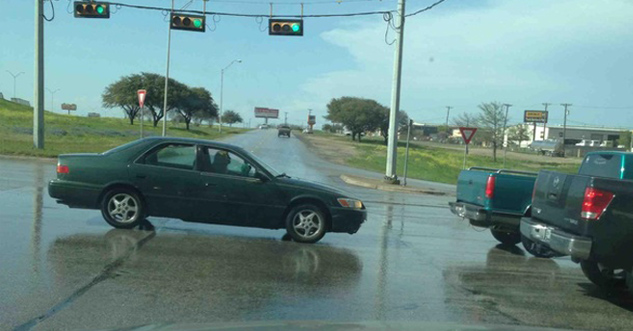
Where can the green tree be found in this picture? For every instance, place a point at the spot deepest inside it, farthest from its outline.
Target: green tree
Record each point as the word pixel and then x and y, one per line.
pixel 122 94
pixel 625 139
pixel 402 120
pixel 491 120
pixel 326 127
pixel 194 102
pixel 231 117
pixel 356 114
pixel 518 133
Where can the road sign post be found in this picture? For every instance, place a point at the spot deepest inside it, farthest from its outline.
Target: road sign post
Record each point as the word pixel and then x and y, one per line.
pixel 467 136
pixel 141 103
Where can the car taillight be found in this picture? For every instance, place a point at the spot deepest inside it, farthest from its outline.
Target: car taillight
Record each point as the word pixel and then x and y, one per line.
pixel 595 203
pixel 62 169
pixel 490 187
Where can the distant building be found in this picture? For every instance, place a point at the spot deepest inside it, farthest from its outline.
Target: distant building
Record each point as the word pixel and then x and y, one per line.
pixel 21 102
pixel 94 115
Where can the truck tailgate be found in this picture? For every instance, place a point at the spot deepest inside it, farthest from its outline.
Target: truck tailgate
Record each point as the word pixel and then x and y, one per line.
pixel 471 187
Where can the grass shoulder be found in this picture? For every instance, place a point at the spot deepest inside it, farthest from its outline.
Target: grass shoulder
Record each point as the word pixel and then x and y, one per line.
pixel 74 134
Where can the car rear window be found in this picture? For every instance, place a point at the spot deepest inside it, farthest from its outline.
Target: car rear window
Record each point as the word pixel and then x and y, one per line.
pixel 602 165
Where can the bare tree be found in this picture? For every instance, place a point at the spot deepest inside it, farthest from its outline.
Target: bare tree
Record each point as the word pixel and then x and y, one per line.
pixel 491 121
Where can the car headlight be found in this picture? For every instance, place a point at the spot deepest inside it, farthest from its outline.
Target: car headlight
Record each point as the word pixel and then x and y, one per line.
pixel 350 203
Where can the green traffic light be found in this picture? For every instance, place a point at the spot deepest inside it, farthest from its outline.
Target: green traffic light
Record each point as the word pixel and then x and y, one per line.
pixel 197 23
pixel 100 9
pixel 295 27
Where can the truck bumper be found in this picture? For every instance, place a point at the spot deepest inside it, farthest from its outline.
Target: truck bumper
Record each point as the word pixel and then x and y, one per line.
pixel 479 216
pixel 556 239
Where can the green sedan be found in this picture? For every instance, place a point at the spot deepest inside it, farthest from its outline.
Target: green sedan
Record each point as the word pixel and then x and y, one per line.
pixel 200 181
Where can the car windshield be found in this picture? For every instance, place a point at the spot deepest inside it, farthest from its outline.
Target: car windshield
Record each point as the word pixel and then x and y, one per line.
pixel 435 146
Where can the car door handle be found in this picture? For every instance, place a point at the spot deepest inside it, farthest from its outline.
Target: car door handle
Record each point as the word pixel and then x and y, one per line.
pixel 209 184
pixel 141 176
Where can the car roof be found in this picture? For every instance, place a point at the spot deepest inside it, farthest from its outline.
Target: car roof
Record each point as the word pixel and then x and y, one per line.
pixel 195 141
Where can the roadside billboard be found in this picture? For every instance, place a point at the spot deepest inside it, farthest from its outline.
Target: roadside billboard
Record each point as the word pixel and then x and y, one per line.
pixel 261 112
pixel 535 116
pixel 311 119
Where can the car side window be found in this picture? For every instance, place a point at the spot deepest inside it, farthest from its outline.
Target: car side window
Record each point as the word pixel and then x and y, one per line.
pixel 173 156
pixel 224 162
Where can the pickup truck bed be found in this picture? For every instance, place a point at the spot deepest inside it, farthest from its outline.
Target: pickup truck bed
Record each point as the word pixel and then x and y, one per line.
pixel 495 199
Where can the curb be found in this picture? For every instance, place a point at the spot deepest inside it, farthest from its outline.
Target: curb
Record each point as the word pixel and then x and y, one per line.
pixel 365 182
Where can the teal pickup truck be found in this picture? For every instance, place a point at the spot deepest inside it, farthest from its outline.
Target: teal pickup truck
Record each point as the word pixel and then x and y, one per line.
pixel 495 199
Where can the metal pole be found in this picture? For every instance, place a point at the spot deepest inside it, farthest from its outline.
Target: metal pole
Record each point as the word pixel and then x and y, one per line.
pixel 565 126
pixel 448 111
pixel 505 136
pixel 167 72
pixel 52 97
pixel 392 146
pixel 38 97
pixel 546 118
pixel 406 155
pixel 465 153
pixel 221 97
pixel 142 112
pixel 14 80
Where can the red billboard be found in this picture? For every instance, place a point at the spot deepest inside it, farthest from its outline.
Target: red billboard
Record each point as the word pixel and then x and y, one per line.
pixel 262 112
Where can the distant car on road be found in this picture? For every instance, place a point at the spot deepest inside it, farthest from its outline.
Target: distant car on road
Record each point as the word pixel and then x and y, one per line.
pixel 200 181
pixel 284 130
pixel 263 127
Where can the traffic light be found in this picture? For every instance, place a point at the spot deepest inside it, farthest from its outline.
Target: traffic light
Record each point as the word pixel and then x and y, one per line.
pixel 85 9
pixel 188 22
pixel 285 27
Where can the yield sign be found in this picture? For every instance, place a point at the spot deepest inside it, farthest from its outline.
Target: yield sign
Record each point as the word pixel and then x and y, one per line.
pixel 141 97
pixel 467 134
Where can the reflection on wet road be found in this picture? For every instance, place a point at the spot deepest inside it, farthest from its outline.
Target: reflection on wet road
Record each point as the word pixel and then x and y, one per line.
pixel 412 261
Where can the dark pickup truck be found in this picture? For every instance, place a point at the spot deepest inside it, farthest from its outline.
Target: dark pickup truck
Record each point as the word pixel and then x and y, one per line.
pixel 588 216
pixel 495 199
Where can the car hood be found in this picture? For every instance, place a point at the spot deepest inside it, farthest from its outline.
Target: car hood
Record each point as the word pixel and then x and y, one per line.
pixel 313 186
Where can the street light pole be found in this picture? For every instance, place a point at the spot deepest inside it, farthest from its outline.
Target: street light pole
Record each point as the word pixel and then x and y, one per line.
pixel 14 79
pixel 52 96
pixel 392 146
pixel 222 92
pixel 38 81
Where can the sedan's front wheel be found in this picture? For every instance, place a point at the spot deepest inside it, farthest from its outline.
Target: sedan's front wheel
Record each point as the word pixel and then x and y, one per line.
pixel 306 223
pixel 122 208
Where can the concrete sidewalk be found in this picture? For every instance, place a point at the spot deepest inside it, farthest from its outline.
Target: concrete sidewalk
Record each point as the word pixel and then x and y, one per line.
pixel 412 186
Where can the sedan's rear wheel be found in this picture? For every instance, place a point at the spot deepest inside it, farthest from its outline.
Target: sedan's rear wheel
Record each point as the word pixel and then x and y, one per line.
pixel 306 223
pixel 122 208
pixel 602 276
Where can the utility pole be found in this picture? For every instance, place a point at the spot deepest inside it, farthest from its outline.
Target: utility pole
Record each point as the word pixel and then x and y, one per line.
pixel 222 94
pixel 505 135
pixel 565 126
pixel 14 80
pixel 52 96
pixel 286 118
pixel 547 117
pixel 448 111
pixel 167 72
pixel 392 146
pixel 38 90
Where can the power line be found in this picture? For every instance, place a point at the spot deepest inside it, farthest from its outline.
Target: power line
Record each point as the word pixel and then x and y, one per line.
pixel 367 13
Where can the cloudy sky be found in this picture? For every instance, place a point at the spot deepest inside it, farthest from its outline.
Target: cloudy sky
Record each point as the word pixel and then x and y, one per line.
pixel 460 54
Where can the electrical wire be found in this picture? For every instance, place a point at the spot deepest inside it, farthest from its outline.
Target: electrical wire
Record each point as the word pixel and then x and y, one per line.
pixel 424 9
pixel 53 9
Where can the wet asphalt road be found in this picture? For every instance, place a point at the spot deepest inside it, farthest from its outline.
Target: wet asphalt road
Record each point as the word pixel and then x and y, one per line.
pixel 412 261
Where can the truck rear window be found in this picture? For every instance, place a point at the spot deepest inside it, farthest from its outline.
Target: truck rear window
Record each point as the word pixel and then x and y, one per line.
pixel 602 165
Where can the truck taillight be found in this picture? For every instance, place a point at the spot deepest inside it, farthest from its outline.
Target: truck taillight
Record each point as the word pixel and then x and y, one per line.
pixel 490 187
pixel 62 169
pixel 595 203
